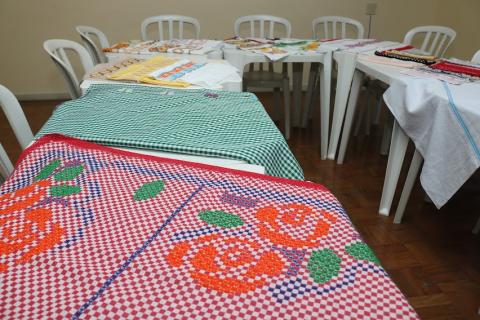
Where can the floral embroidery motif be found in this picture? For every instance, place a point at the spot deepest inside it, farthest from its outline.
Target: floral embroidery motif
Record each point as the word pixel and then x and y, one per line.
pixel 26 227
pixel 20 232
pixel 226 264
pixel 277 225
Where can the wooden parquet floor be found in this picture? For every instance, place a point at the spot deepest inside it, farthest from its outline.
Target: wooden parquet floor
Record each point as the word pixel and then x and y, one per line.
pixel 432 256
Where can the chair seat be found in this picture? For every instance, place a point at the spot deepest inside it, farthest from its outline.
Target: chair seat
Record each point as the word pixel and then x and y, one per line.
pixel 264 79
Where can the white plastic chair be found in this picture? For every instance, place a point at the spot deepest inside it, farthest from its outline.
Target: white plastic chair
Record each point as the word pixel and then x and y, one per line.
pixel 261 20
pixel 170 20
pixel 436 41
pixel 88 34
pixel 56 49
pixel 15 116
pixel 328 27
pixel 476 57
pixel 265 26
pixel 336 27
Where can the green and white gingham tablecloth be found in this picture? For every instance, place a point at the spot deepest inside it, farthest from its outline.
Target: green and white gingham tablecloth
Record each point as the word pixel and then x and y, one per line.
pixel 220 124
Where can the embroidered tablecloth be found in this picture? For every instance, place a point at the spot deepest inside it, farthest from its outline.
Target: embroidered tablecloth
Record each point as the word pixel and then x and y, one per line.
pixel 92 232
pixel 222 124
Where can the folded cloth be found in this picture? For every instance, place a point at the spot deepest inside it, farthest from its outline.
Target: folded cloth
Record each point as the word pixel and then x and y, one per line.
pixel 407 53
pixel 92 232
pixel 453 67
pixel 140 72
pixel 103 70
pixel 212 75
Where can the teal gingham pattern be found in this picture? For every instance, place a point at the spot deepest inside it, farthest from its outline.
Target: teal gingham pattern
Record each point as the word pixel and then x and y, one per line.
pixel 222 124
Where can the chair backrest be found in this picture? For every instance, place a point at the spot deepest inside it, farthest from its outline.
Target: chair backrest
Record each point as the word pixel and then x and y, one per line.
pixel 56 49
pixel 15 116
pixel 436 41
pixel 170 21
pixel 87 34
pixel 336 27
pixel 263 31
pixel 476 57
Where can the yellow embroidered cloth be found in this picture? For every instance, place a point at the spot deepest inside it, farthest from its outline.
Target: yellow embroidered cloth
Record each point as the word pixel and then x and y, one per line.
pixel 140 72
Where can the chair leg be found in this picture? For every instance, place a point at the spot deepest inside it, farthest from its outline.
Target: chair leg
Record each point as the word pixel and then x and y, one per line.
pixel 277 104
pixel 387 135
pixel 350 112
pixel 407 188
pixel 297 72
pixel 361 114
pixel 309 95
pixel 378 110
pixel 286 105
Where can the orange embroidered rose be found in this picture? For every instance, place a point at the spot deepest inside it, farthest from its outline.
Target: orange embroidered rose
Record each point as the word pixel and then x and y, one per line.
pixel 294 225
pixel 226 264
pixel 31 229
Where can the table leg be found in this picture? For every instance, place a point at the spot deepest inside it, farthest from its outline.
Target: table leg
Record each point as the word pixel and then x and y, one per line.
pixel 346 67
pixel 297 72
pixel 407 187
pixel 352 106
pixel 398 147
pixel 325 85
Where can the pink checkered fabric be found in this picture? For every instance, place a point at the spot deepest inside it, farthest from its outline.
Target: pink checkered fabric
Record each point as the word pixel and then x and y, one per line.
pixel 91 232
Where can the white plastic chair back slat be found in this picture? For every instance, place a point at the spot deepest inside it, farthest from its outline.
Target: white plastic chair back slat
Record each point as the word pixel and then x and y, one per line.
pixel 261 20
pixel 171 20
pixel 56 49
pixel 86 33
pixel 6 166
pixel 436 41
pixel 476 57
pixel 334 22
pixel 15 116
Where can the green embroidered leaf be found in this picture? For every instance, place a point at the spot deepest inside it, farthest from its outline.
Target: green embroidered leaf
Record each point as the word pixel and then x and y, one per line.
pixel 68 173
pixel 64 190
pixel 361 251
pixel 149 190
pixel 221 219
pixel 323 265
pixel 47 170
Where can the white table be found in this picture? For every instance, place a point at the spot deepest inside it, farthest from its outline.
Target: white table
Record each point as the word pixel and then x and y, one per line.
pixel 240 58
pixel 228 86
pixel 352 70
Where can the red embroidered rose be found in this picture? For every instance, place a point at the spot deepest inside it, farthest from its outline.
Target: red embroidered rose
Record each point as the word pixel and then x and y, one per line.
pixel 226 264
pixel 294 225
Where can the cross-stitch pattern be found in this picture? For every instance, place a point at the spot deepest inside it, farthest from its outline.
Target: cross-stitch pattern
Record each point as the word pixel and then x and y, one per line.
pixel 88 231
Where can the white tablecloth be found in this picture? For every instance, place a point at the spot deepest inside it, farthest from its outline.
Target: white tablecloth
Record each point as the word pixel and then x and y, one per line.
pixel 443 120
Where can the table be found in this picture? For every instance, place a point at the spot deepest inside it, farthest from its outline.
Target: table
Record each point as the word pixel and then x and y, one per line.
pixel 204 123
pixel 352 70
pixel 240 58
pixel 110 235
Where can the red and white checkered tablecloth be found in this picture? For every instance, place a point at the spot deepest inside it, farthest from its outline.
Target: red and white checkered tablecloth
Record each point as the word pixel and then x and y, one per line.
pixel 92 232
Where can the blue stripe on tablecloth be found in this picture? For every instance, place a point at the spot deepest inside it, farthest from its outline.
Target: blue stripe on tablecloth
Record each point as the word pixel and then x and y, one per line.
pixel 127 263
pixel 460 120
